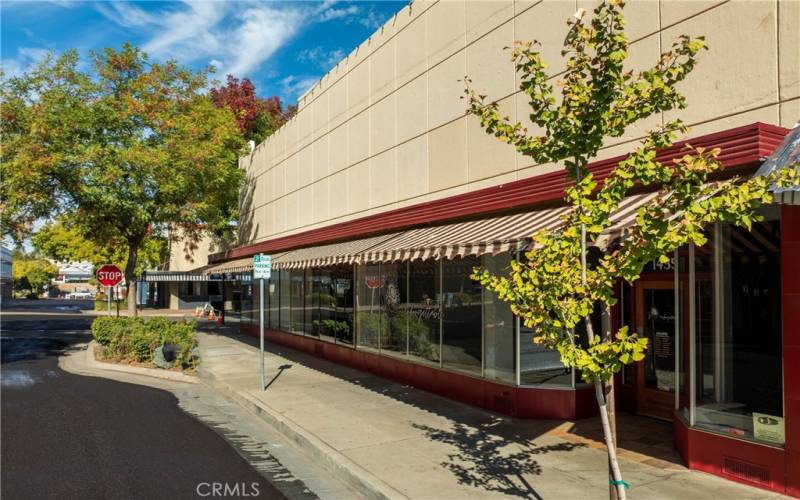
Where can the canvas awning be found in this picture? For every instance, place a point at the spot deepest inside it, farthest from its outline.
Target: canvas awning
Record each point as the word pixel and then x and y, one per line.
pixel 234 266
pixel 490 236
pixel 157 276
pixel 327 255
pixel 786 155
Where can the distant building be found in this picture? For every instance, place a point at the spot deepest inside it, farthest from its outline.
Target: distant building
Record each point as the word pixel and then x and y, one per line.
pixel 73 272
pixel 6 280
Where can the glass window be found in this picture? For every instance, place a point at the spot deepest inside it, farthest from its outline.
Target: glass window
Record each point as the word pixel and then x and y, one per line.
pixel 297 280
pixel 498 324
pixel 369 305
pixel 461 321
pixel 424 311
pixel 311 302
pixel 739 382
pixel 394 321
pixel 624 308
pixel 285 297
pixel 273 290
pixel 340 324
pixel 324 303
pixel 249 313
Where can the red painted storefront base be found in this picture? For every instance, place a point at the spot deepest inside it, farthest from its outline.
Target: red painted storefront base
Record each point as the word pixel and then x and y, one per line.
pixel 734 459
pixel 523 402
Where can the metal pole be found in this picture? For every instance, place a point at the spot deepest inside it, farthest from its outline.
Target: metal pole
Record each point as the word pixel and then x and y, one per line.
pixel 261 330
pixel 108 298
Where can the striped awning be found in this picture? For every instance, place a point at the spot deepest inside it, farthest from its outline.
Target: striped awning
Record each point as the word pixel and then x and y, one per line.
pixel 157 276
pixel 327 255
pixel 233 266
pixel 490 236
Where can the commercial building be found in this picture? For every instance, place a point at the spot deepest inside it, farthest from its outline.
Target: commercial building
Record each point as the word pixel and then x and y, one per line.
pixel 380 196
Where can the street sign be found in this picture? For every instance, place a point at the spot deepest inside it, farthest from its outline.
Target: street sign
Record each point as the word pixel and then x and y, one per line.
pixel 262 266
pixel 262 270
pixel 109 275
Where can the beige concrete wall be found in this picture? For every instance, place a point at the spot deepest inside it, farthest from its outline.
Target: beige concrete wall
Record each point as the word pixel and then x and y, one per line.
pixel 185 257
pixel 386 127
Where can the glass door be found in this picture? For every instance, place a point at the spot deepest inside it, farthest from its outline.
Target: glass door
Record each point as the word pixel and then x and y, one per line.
pixel 655 320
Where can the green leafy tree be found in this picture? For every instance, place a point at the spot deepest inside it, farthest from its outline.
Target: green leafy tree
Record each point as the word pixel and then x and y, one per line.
pixel 58 241
pixel 31 273
pixel 554 289
pixel 127 149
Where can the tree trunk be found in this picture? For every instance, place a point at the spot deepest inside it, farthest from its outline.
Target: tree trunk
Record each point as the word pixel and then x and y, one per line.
pixel 609 428
pixel 612 414
pixel 616 473
pixel 130 276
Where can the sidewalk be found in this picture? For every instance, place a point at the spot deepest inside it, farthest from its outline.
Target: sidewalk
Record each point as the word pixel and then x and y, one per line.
pixel 393 441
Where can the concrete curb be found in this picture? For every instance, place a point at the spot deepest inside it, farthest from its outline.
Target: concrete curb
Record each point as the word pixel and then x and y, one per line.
pixel 351 474
pixel 92 362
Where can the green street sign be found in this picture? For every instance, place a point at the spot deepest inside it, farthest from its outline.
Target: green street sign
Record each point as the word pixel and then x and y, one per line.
pixel 262 266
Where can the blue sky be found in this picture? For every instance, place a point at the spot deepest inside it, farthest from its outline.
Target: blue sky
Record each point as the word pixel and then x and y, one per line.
pixel 283 47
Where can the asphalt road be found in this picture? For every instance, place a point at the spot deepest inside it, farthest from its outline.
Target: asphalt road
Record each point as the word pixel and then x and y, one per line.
pixel 70 436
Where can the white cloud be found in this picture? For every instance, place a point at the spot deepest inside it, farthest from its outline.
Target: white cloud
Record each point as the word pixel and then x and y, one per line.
pixel 322 57
pixel 189 33
pixel 236 37
pixel 27 58
pixel 126 14
pixel 293 86
pixel 262 31
pixel 371 20
pixel 327 13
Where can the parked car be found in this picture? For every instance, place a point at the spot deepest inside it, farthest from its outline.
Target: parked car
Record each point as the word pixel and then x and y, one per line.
pixel 80 294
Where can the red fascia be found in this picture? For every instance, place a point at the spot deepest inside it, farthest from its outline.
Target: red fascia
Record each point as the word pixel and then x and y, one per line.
pixel 739 147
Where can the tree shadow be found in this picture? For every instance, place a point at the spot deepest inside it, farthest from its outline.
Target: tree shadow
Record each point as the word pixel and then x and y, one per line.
pixel 247 228
pixel 490 461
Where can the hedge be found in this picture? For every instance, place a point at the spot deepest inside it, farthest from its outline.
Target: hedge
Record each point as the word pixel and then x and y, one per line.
pixel 136 339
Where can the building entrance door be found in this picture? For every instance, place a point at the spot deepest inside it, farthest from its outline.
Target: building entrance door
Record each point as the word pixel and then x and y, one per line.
pixel 655 320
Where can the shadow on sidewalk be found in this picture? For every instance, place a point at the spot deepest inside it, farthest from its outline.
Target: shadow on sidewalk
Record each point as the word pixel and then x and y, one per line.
pixel 491 461
pixel 492 452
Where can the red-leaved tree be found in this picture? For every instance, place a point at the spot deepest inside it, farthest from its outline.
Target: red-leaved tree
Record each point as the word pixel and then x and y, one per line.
pixel 256 117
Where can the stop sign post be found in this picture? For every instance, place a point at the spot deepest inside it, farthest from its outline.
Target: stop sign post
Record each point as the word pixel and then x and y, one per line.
pixel 109 276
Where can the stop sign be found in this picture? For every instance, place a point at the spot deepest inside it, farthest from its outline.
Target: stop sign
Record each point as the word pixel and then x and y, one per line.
pixel 109 275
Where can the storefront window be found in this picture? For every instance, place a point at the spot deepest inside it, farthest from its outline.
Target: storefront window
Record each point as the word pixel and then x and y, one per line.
pixel 739 381
pixel 285 296
pixel 424 311
pixel 394 323
pixel 311 302
pixel 340 324
pixel 297 279
pixel 369 305
pixel 249 313
pixel 462 324
pixel 273 295
pixel 498 324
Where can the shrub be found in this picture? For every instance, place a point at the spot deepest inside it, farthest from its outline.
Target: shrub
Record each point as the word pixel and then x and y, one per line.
pixel 136 339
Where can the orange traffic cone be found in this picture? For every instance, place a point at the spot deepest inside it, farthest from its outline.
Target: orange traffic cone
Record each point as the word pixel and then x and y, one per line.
pixel 219 319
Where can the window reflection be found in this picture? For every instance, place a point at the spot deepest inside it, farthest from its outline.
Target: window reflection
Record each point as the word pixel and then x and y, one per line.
pixel 739 381
pixel 461 321
pixel 424 311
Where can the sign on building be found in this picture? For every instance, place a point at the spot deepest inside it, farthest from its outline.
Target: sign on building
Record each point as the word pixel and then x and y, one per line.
pixel 262 266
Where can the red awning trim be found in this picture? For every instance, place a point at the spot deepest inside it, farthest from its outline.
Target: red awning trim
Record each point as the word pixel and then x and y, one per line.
pixel 742 146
